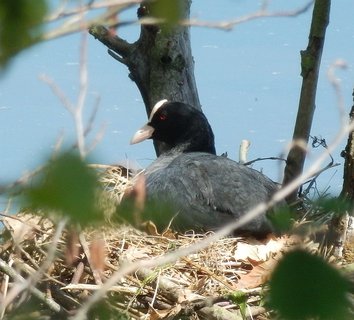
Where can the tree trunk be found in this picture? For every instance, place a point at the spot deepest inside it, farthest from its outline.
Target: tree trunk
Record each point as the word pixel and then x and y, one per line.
pixel 160 63
pixel 340 234
pixel 348 154
pixel 310 65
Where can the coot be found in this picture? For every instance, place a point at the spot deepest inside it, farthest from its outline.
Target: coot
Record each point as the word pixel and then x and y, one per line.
pixel 205 191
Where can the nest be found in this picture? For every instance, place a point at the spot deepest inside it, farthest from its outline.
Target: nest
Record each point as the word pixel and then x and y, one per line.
pixel 53 270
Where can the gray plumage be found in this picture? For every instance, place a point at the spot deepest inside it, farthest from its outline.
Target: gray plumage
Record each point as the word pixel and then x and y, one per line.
pixel 206 191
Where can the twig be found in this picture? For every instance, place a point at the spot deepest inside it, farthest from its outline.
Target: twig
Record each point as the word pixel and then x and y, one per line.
pixel 166 287
pixel 157 284
pixel 10 216
pixel 31 281
pixel 92 117
pixel 261 13
pixel 318 173
pixel 315 144
pixel 21 265
pixel 21 181
pixel 5 287
pixel 78 114
pixel 76 23
pixel 210 273
pixel 58 92
pixel 335 82
pixel 95 287
pixel 262 159
pixel 97 139
pixel 52 305
pixel 77 110
pixel 62 12
pixel 78 273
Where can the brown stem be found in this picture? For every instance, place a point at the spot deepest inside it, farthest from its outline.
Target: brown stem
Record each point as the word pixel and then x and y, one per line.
pixel 310 65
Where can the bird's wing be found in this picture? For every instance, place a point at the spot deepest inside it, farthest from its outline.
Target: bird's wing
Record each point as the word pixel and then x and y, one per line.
pixel 210 190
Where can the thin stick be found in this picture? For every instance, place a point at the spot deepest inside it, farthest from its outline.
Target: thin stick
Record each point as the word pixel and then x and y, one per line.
pixel 52 305
pixel 5 287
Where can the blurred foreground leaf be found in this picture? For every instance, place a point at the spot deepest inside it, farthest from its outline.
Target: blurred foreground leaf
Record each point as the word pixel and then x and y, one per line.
pixel 282 219
pixel 170 11
pixel 105 310
pixel 159 212
pixel 67 185
pixel 337 205
pixel 20 22
pixel 304 286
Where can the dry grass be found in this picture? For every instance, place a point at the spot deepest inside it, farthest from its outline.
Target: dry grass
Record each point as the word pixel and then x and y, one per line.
pixel 196 280
pixel 197 286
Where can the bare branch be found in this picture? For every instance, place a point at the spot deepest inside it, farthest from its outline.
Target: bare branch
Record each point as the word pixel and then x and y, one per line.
pixel 21 181
pixel 58 92
pixel 77 23
pixel 79 110
pixel 113 42
pixel 262 159
pixel 97 139
pixel 261 13
pixel 63 12
pixel 92 116
pixel 335 82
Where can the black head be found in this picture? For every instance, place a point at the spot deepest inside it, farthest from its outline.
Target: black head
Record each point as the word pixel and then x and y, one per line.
pixel 180 126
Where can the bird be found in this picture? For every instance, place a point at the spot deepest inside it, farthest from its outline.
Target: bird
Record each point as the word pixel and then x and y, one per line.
pixel 202 190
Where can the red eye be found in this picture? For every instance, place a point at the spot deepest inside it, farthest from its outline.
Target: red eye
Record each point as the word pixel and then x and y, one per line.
pixel 163 117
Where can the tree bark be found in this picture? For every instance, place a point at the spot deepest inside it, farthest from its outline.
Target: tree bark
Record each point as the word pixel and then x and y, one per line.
pixel 340 234
pixel 348 154
pixel 310 65
pixel 160 63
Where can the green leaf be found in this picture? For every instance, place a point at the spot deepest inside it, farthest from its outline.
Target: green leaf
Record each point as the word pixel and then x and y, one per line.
pixel 170 11
pixel 67 185
pixel 20 26
pixel 304 286
pixel 157 211
pixel 337 205
pixel 104 310
pixel 282 219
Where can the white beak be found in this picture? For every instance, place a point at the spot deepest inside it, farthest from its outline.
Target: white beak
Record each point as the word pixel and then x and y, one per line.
pixel 142 134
